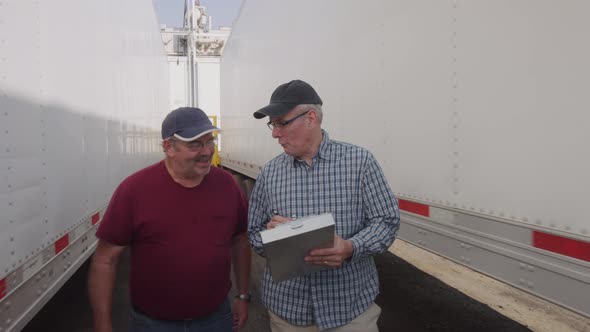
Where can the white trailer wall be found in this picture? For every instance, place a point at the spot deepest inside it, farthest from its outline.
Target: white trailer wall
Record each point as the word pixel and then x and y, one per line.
pixel 475 109
pixel 82 94
pixel 472 102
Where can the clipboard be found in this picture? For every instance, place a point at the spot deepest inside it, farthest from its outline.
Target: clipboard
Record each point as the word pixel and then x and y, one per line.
pixel 287 244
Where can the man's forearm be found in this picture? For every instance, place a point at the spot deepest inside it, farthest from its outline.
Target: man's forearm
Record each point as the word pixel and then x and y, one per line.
pixel 241 256
pixel 374 239
pixel 100 290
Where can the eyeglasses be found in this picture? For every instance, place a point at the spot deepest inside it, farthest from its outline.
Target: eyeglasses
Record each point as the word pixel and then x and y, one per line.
pixel 198 145
pixel 282 124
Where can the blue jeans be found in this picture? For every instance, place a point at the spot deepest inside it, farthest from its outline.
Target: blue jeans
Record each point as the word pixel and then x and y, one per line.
pixel 220 320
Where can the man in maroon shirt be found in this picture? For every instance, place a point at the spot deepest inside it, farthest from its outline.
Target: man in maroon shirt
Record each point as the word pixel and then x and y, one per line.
pixel 185 223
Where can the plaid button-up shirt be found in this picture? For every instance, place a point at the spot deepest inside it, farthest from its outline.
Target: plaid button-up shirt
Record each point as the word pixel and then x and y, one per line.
pixel 346 180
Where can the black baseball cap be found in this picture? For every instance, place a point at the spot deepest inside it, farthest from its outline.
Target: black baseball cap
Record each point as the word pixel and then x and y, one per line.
pixel 187 124
pixel 287 96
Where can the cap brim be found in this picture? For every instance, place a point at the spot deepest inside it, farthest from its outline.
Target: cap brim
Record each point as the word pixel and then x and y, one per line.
pixel 274 109
pixel 212 129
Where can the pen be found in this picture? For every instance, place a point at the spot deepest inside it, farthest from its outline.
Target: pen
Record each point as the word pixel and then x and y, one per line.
pixel 275 212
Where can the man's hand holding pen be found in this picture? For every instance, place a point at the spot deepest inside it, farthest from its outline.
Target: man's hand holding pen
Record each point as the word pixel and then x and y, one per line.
pixel 277 220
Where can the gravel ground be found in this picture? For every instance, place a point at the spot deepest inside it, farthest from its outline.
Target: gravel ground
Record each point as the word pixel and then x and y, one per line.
pixel 411 300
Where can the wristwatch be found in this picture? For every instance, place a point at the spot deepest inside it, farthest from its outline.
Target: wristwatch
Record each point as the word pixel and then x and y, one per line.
pixel 244 297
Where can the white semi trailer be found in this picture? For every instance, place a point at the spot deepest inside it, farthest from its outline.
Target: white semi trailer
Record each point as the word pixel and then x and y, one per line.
pixel 478 111
pixel 83 90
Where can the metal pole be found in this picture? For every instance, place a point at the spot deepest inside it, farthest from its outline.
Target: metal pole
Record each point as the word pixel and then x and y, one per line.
pixel 190 61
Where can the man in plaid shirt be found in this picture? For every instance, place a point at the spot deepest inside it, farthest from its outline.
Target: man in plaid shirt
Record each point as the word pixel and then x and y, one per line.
pixel 315 175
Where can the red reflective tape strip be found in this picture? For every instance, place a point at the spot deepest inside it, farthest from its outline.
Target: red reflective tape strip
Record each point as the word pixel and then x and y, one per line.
pixel 417 208
pixel 62 243
pixel 562 245
pixel 95 218
pixel 2 288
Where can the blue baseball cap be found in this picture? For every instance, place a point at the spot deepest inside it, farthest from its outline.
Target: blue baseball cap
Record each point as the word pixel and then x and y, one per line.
pixel 187 124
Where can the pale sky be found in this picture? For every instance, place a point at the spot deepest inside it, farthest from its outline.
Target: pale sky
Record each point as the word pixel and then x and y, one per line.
pixel 222 12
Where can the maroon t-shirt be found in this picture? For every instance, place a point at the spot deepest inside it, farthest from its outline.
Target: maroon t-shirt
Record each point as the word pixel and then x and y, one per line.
pixel 180 239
